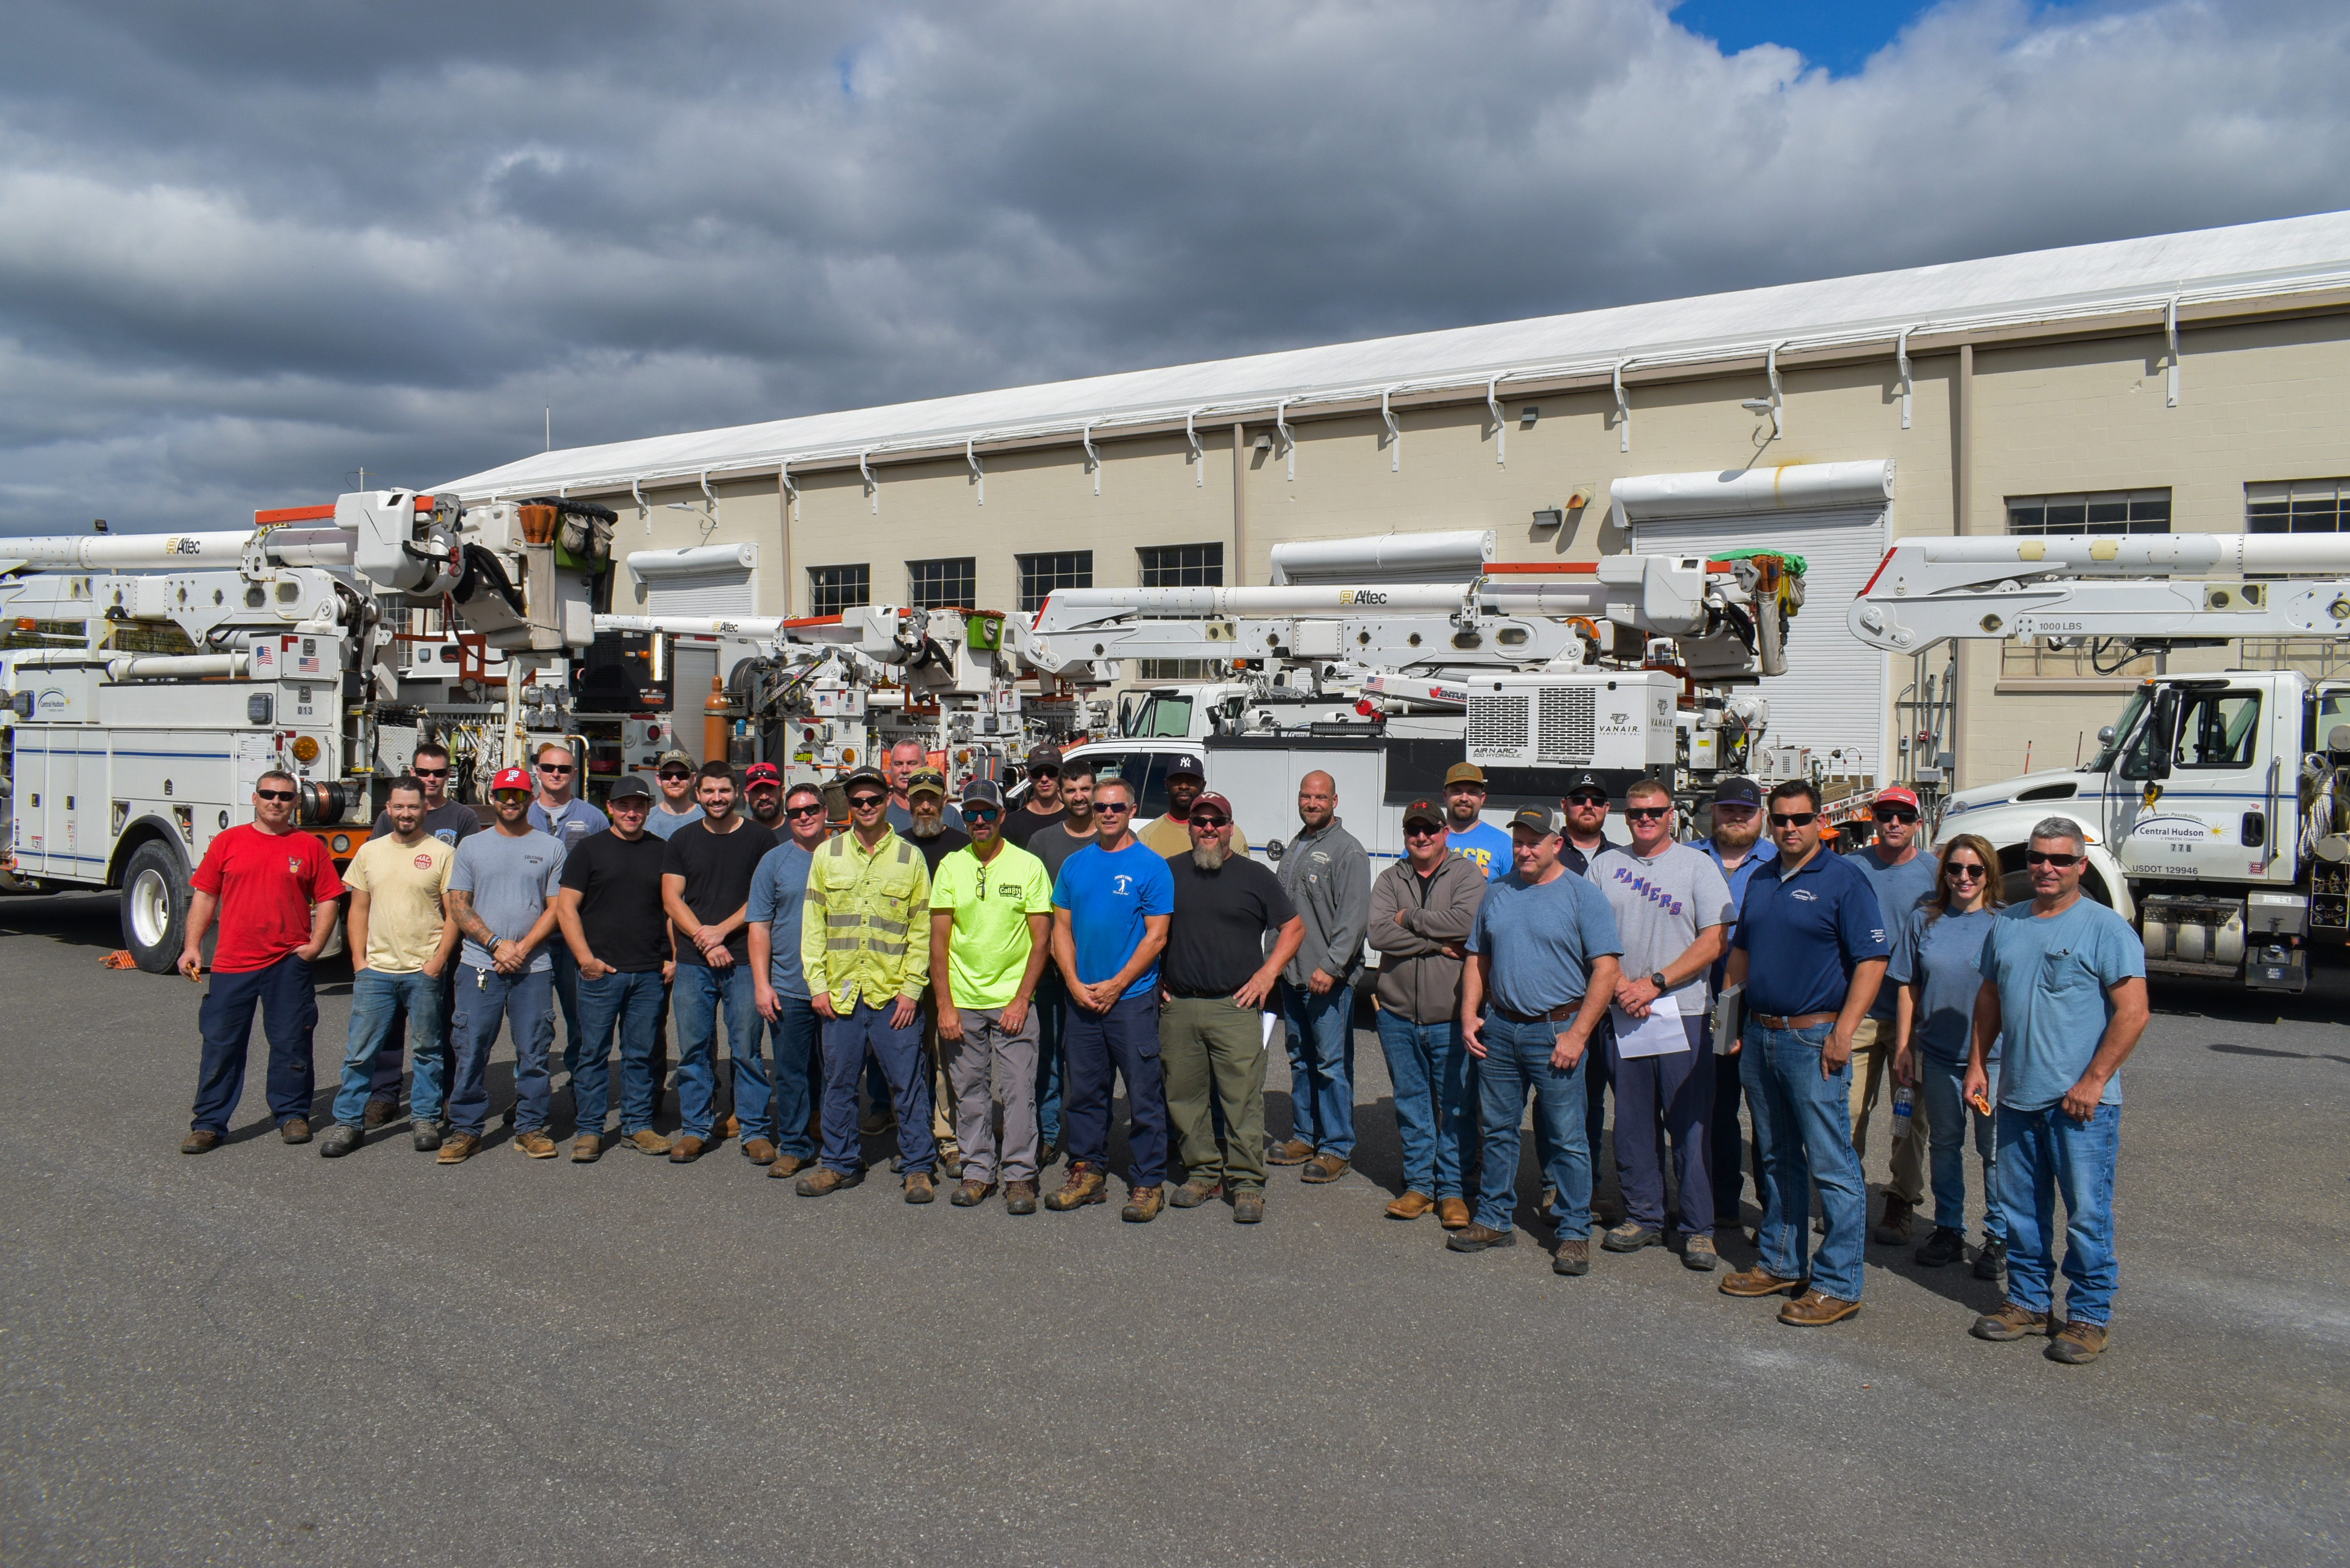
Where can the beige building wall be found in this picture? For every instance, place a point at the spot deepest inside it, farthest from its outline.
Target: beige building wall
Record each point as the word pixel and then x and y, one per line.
pixel 2263 399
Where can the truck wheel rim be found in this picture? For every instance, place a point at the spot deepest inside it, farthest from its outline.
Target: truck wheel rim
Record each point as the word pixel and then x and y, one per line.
pixel 150 908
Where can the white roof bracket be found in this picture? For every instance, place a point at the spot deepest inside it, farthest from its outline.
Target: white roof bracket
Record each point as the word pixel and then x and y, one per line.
pixel 2171 331
pixel 707 494
pixel 1395 431
pixel 1288 442
pixel 1770 369
pixel 872 485
pixel 1199 459
pixel 644 512
pixel 1623 410
pixel 1093 458
pixel 1501 429
pixel 1901 358
pixel 978 474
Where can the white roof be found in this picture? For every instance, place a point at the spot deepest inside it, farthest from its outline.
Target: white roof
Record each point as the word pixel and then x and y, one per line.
pixel 2249 261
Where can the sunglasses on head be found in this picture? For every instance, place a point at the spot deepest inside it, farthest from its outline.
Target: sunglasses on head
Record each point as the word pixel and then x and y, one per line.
pixel 278 794
pixel 1957 872
pixel 1646 813
pixel 1793 818
pixel 2041 858
pixel 1894 814
pixel 430 772
pixel 817 810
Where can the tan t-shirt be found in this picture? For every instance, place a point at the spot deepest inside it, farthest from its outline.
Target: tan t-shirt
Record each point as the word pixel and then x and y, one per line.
pixel 1171 837
pixel 403 884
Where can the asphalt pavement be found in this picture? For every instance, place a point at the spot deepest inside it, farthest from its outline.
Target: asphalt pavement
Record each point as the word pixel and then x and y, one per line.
pixel 257 1356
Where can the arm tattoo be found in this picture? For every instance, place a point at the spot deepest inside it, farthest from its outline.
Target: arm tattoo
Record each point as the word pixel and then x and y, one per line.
pixel 461 906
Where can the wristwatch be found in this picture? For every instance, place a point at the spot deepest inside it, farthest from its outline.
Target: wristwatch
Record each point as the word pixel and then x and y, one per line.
pixel 1657 980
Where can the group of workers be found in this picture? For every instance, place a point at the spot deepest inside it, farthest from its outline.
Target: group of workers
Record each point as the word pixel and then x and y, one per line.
pixel 987 973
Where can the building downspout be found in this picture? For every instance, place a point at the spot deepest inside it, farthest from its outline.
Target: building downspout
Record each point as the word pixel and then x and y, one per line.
pixel 1240 503
pixel 1963 441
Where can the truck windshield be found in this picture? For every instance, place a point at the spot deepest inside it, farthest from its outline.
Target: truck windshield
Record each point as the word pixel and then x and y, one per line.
pixel 2124 728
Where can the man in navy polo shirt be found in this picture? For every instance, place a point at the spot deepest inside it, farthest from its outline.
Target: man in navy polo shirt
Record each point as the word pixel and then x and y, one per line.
pixel 1811 950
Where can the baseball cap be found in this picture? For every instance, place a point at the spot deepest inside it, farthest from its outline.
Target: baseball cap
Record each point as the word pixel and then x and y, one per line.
pixel 511 778
pixel 1584 784
pixel 1533 819
pixel 631 787
pixel 1898 796
pixel 982 792
pixel 1424 811
pixel 866 774
pixel 759 774
pixel 1043 757
pixel 1183 763
pixel 1213 802
pixel 926 780
pixel 1738 792
pixel 1464 772
pixel 673 758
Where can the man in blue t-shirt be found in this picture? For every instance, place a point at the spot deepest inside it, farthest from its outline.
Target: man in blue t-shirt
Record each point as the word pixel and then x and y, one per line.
pixel 1541 971
pixel 1735 846
pixel 779 985
pixel 1111 909
pixel 2065 989
pixel 1467 834
pixel 1903 873
pixel 1811 949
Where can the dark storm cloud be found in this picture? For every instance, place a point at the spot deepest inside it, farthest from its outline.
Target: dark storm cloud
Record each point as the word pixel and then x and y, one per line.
pixel 246 248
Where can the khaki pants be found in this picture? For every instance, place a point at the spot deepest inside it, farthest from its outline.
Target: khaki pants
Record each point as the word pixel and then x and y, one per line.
pixel 1208 1047
pixel 1872 1062
pixel 942 1126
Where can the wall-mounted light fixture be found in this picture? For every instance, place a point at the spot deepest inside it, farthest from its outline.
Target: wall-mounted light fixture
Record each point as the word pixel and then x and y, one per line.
pixel 1264 441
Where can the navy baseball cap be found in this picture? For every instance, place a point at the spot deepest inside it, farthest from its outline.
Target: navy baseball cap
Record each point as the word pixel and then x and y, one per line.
pixel 1184 763
pixel 631 787
pixel 1738 792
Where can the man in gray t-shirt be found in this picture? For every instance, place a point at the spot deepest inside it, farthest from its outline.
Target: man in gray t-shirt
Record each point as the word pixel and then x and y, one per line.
pixel 1672 912
pixel 502 895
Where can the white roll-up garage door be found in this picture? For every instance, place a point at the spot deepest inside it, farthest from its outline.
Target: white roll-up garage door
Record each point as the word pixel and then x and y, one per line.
pixel 713 580
pixel 1833 696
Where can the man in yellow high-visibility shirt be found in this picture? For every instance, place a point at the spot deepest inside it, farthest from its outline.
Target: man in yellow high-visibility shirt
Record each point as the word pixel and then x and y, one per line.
pixel 865 948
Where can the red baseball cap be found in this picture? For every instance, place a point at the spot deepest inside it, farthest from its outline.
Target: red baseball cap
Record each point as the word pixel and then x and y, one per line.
pixel 1214 802
pixel 759 774
pixel 1895 795
pixel 511 778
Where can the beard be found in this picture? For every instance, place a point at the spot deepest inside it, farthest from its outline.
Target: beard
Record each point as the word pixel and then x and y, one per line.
pixel 1209 856
pixel 1725 837
pixel 928 827
pixel 770 815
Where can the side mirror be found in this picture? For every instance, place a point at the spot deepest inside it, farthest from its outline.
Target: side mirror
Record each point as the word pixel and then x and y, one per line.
pixel 2105 736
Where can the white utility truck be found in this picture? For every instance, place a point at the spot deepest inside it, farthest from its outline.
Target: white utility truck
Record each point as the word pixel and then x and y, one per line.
pixel 2217 806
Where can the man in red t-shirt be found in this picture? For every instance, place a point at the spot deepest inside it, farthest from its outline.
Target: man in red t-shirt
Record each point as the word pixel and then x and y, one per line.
pixel 275 891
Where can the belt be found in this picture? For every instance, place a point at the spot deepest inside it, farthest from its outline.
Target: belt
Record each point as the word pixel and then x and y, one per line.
pixel 1559 1014
pixel 1798 1020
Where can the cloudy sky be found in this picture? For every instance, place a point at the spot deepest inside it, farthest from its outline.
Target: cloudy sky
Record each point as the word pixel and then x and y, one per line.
pixel 248 247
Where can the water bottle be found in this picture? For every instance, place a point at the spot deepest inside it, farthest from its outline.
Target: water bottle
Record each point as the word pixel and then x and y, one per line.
pixel 1905 1112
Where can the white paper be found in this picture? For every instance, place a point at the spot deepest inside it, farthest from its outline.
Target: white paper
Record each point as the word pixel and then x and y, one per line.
pixel 1659 1035
pixel 1271 1020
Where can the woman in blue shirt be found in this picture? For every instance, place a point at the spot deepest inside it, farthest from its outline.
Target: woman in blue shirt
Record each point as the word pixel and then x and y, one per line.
pixel 1935 964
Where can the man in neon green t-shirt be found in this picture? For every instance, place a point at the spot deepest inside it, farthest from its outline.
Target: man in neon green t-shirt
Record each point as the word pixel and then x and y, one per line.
pixel 991 919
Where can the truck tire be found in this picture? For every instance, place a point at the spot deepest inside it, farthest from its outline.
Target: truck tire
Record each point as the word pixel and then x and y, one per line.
pixel 155 897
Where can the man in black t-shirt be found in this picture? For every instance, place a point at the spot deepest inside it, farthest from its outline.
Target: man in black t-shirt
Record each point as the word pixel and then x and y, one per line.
pixel 928 829
pixel 610 914
pixel 1217 975
pixel 1054 843
pixel 1042 807
pixel 706 890
pixel 448 822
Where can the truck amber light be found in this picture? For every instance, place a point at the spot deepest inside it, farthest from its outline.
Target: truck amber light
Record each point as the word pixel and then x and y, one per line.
pixel 342 843
pixel 306 749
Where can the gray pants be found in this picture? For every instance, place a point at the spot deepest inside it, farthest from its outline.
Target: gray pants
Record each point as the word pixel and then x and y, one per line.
pixel 986 1043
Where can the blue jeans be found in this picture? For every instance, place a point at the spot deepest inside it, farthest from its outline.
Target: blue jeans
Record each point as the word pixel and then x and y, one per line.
pixel 1321 1066
pixel 377 999
pixel 388 1056
pixel 2042 1153
pixel 526 1002
pixel 1102 1046
pixel 1517 1062
pixel 566 992
pixel 1430 1070
pixel 631 1004
pixel 289 1013
pixel 1051 1010
pixel 701 992
pixel 1803 1125
pixel 1947 1115
pixel 899 1051
pixel 793 1039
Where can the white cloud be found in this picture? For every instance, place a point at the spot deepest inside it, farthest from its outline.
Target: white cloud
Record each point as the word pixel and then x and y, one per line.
pixel 240 258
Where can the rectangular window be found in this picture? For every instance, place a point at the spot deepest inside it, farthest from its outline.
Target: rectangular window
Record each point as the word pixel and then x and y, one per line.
pixel 2096 511
pixel 1182 565
pixel 832 589
pixel 1040 575
pixel 2296 506
pixel 951 583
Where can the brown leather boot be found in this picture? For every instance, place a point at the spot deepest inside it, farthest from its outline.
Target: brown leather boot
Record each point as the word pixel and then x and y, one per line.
pixel 2010 1321
pixel 1411 1206
pixel 1453 1213
pixel 788 1164
pixel 824 1180
pixel 1758 1281
pixel 1084 1185
pixel 1142 1205
pixel 1816 1309
pixel 686 1151
pixel 1020 1197
pixel 1296 1151
pixel 759 1152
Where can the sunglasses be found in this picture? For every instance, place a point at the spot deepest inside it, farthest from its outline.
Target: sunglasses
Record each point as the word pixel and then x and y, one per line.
pixel 1894 814
pixel 1423 830
pixel 1216 823
pixel 1793 818
pixel 675 776
pixel 511 796
pixel 1646 813
pixel 1111 807
pixel 1586 800
pixel 555 768
pixel 1044 773
pixel 1964 873
pixel 2041 858
pixel 803 811
pixel 430 772
pixel 866 802
pixel 980 814
pixel 276 794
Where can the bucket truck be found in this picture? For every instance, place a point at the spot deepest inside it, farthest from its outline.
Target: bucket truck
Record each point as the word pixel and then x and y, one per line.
pixel 2217 810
